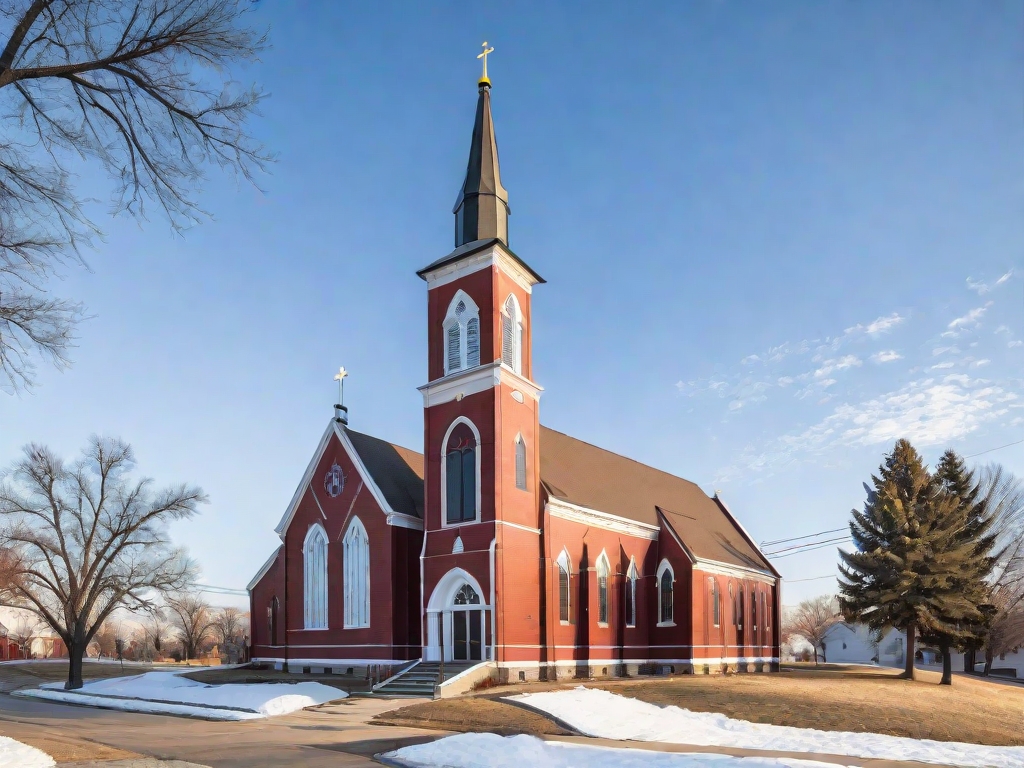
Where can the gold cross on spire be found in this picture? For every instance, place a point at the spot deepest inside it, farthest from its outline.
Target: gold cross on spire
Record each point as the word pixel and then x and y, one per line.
pixel 484 80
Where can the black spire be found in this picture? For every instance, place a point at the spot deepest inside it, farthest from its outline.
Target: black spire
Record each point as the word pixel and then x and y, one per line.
pixel 481 212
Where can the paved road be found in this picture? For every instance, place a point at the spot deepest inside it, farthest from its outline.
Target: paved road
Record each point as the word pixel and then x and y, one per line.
pixel 334 735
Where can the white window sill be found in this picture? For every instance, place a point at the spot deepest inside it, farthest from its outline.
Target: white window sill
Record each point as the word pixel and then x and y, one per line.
pixel 631 626
pixel 565 623
pixel 356 626
pixel 315 629
pixel 666 623
pixel 603 624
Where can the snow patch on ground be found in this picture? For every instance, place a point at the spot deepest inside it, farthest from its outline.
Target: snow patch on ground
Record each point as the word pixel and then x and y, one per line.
pixel 170 693
pixel 14 754
pixel 599 713
pixel 488 750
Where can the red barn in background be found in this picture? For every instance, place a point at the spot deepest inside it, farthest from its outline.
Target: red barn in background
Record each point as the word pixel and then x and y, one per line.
pixel 503 542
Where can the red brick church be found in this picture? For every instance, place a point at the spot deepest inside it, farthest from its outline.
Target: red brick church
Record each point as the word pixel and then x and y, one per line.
pixel 504 541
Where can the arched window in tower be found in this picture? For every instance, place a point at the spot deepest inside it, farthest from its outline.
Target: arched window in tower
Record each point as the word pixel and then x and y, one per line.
pixel 461 334
pixel 632 575
pixel 564 571
pixel 520 463
pixel 512 335
pixel 461 474
pixel 356 554
pixel 602 588
pixel 314 563
pixel 666 598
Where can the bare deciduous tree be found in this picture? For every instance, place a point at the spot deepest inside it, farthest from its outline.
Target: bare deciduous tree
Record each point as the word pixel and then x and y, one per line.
pixel 23 632
pixel 194 621
pixel 105 639
pixel 228 623
pixel 812 620
pixel 91 539
pixel 142 87
pixel 157 630
pixel 1004 494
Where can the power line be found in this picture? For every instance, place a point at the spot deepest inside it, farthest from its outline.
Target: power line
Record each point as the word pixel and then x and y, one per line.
pixel 998 448
pixel 811 549
pixel 808 545
pixel 798 538
pixel 813 578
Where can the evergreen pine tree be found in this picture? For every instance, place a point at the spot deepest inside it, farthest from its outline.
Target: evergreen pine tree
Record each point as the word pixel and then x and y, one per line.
pixel 904 572
pixel 965 613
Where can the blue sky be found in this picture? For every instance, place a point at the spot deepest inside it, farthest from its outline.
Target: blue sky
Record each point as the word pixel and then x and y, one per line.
pixel 777 237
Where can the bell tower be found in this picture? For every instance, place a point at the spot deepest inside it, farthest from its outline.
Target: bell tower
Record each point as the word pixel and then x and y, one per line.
pixel 481 560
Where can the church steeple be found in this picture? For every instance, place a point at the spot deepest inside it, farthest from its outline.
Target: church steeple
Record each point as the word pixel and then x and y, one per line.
pixel 481 211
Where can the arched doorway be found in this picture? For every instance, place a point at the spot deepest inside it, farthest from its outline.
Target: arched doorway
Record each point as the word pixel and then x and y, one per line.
pixel 458 620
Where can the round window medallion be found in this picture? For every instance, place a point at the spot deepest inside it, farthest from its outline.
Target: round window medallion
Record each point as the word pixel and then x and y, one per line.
pixel 334 483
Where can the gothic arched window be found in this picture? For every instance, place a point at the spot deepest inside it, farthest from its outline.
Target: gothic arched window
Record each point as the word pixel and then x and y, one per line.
pixel 631 578
pixel 512 335
pixel 461 469
pixel 467 596
pixel 356 554
pixel 666 598
pixel 520 463
pixel 461 334
pixel 314 563
pixel 602 588
pixel 564 571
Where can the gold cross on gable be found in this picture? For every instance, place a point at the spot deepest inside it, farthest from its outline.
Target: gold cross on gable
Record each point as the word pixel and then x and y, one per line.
pixel 484 78
pixel 340 378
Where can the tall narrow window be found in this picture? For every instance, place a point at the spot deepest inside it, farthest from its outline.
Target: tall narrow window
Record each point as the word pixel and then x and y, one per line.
pixel 461 334
pixel 520 463
pixel 272 611
pixel 753 611
pixel 716 602
pixel 512 334
pixel 460 467
pixel 356 554
pixel 631 578
pixel 314 563
pixel 563 587
pixel 739 612
pixel 602 589
pixel 666 599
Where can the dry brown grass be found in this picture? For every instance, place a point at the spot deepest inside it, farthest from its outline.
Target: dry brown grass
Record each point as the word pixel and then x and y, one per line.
pixel 248 675
pixel 35 672
pixel 829 698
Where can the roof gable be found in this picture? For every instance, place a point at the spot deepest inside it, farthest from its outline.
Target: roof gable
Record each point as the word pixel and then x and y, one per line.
pixel 592 477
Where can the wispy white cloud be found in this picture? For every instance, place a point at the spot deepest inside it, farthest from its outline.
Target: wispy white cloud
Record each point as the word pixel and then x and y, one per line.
pixel 981 288
pixel 941 366
pixel 969 320
pixel 877 327
pixel 886 356
pixel 927 411
pixel 1015 343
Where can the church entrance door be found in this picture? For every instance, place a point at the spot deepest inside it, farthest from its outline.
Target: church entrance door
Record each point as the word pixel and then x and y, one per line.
pixel 458 620
pixel 467 626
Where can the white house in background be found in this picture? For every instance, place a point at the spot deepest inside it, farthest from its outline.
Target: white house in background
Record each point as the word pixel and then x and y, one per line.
pixel 850 644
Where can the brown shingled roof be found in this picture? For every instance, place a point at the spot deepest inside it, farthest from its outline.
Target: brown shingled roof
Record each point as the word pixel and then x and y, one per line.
pixel 588 476
pixel 397 471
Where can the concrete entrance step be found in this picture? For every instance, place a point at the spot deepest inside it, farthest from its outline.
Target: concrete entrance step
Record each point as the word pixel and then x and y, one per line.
pixel 421 679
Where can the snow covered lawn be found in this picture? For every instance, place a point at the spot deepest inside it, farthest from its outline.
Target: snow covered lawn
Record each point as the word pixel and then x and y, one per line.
pixel 599 713
pixel 488 750
pixel 169 693
pixel 15 754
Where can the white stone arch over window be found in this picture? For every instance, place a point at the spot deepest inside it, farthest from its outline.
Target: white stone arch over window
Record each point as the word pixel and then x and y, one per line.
pixel 314 564
pixel 666 594
pixel 632 576
pixel 356 554
pixel 444 471
pixel 520 446
pixel 564 586
pixel 512 334
pixel 603 570
pixel 461 334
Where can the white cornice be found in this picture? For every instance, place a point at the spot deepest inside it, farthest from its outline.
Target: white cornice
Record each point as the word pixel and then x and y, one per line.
pixel 478 379
pixel 262 571
pixel 405 521
pixel 488 257
pixel 289 512
pixel 737 571
pixel 577 514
